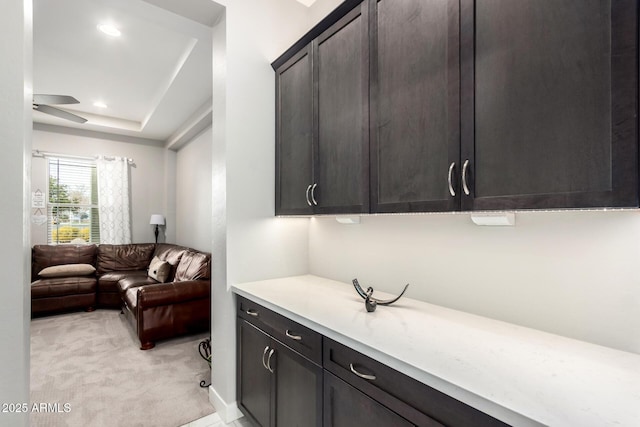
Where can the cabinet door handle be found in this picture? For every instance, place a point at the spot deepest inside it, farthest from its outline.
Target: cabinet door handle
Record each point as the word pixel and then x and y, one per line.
pixel 313 193
pixel 252 312
pixel 293 337
pixel 264 353
pixel 365 376
pixel 306 195
pixel 464 177
pixel 451 190
pixel 269 361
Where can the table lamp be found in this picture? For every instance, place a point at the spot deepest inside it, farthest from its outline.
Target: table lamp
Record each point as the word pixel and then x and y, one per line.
pixel 157 220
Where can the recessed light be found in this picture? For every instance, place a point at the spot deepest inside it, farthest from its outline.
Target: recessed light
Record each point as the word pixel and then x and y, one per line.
pixel 99 104
pixel 109 30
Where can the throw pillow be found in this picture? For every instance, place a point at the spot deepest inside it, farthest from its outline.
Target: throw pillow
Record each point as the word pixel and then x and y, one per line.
pixel 67 270
pixel 159 270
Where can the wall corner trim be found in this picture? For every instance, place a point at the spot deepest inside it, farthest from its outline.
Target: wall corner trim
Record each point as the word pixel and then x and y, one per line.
pixel 228 412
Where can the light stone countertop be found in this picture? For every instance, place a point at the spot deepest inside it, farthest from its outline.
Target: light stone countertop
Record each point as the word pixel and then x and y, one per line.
pixel 519 375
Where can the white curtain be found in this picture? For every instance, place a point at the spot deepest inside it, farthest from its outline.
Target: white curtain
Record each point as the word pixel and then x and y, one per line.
pixel 113 200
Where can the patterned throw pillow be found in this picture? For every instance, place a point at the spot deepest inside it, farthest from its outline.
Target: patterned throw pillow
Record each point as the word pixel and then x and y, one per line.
pixel 159 270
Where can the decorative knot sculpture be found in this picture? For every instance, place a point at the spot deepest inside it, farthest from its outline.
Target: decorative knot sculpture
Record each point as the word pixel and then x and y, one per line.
pixel 369 301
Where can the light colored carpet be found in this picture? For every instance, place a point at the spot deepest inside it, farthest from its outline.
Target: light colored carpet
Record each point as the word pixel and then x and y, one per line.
pixel 91 361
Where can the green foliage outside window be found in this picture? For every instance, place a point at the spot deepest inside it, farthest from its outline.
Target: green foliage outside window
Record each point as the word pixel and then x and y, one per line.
pixel 72 201
pixel 67 233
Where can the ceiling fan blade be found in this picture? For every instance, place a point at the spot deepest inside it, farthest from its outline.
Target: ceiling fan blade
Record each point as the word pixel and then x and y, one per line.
pixel 54 99
pixel 59 113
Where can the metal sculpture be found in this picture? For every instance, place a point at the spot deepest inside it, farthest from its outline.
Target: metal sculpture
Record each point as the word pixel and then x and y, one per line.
pixel 369 301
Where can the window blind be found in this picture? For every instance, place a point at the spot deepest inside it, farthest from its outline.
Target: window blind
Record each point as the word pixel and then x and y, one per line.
pixel 72 208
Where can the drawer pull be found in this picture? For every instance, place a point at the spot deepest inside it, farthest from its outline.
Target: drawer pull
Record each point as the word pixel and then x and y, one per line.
pixel 252 312
pixel 365 376
pixel 293 337
pixel 264 353
pixel 269 361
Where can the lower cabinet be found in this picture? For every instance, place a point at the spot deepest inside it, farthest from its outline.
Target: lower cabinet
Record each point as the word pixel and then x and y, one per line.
pixel 298 389
pixel 254 377
pixel 289 375
pixel 413 402
pixel 276 385
pixel 346 406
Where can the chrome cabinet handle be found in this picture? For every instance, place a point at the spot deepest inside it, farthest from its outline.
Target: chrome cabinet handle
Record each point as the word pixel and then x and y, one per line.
pixel 313 193
pixel 307 195
pixel 464 177
pixel 252 312
pixel 269 361
pixel 451 190
pixel 365 376
pixel 293 337
pixel 264 353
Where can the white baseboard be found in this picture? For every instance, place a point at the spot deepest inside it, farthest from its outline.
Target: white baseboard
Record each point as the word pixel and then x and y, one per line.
pixel 228 411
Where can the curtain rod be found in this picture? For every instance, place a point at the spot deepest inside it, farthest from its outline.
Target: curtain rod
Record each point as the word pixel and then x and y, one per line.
pixel 38 153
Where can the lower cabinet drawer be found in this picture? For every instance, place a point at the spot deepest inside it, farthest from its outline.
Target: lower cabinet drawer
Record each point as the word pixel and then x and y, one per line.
pixel 344 406
pixel 414 401
pixel 300 338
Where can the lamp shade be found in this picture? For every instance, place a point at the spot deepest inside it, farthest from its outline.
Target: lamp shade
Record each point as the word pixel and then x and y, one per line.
pixel 156 219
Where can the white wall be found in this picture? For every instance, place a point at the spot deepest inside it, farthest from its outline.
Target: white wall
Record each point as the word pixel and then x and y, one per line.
pixel 571 273
pixel 321 8
pixel 193 193
pixel 148 186
pixel 249 243
pixel 15 140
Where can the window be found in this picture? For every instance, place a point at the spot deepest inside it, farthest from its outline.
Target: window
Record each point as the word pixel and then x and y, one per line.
pixel 73 201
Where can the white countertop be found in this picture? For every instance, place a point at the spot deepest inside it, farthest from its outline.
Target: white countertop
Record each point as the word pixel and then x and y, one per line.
pixel 519 375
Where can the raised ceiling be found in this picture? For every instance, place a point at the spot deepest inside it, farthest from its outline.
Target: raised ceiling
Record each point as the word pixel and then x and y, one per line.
pixel 155 78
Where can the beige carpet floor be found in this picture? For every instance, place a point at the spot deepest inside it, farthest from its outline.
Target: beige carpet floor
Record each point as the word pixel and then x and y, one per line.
pixel 89 369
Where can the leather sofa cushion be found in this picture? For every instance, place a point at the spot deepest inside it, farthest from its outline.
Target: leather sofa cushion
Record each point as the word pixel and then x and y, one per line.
pixel 169 252
pixel 134 282
pixel 62 286
pixel 193 266
pixel 43 256
pixel 108 282
pixel 124 257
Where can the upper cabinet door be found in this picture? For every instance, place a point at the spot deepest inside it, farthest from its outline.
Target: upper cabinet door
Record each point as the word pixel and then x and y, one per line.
pixel 549 103
pixel 415 96
pixel 341 77
pixel 294 129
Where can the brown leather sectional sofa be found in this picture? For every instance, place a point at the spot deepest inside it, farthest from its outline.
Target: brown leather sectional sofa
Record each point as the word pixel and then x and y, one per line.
pixel 156 310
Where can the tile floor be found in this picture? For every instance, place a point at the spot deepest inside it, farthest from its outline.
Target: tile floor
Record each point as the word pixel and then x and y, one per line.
pixel 214 420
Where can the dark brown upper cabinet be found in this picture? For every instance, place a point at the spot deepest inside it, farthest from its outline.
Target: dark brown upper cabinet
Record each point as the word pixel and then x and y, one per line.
pixel 420 106
pixel 294 122
pixel 341 80
pixel 549 104
pixel 322 122
pixel 415 98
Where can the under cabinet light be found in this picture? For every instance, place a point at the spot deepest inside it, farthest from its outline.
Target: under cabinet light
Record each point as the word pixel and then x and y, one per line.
pixel 348 219
pixel 109 30
pixel 495 219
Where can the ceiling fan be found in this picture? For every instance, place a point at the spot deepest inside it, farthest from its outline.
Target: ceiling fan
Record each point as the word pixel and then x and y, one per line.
pixel 40 103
